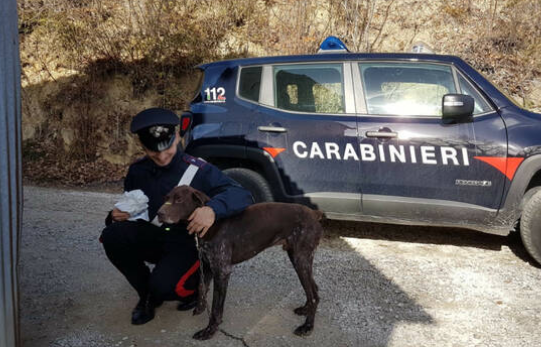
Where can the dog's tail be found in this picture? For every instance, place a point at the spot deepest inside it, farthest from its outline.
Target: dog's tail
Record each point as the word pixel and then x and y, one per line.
pixel 320 216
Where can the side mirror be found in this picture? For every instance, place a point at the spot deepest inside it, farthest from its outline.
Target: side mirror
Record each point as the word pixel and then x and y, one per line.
pixel 457 108
pixel 185 122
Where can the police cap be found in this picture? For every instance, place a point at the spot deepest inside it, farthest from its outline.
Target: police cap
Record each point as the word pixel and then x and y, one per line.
pixel 153 116
pixel 155 128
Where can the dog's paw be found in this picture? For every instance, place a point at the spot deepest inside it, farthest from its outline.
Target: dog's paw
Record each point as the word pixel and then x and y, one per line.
pixel 204 334
pixel 304 330
pixel 301 311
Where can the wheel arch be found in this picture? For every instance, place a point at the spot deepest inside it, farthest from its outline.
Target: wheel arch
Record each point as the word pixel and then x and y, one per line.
pixel 232 156
pixel 527 177
pixel 535 181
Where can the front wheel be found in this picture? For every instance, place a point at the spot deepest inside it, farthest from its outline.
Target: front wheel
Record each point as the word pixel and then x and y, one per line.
pixel 252 181
pixel 530 226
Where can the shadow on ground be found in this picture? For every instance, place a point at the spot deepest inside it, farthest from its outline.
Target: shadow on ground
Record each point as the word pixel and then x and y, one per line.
pixel 428 235
pixel 71 295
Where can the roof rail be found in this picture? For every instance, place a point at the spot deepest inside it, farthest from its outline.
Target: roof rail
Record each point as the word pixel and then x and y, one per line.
pixel 421 47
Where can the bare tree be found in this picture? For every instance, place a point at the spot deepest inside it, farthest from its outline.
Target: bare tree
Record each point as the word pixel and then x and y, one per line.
pixel 353 20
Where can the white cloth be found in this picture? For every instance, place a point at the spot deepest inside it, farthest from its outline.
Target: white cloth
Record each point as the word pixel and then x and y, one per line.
pixel 135 203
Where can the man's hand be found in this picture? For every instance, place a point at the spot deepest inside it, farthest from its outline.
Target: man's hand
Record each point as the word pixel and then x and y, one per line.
pixel 201 220
pixel 119 216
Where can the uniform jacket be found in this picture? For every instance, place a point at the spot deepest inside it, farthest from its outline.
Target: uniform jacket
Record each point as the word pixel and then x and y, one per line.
pixel 227 196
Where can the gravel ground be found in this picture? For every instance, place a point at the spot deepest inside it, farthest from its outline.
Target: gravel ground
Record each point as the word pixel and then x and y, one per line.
pixel 380 285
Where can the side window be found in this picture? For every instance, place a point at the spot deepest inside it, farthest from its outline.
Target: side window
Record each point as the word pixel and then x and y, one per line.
pixel 316 88
pixel 481 105
pixel 250 82
pixel 407 89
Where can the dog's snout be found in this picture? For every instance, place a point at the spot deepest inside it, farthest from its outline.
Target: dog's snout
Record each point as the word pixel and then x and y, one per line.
pixel 161 214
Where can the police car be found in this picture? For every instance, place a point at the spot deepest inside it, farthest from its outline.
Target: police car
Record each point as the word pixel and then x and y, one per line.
pixel 417 139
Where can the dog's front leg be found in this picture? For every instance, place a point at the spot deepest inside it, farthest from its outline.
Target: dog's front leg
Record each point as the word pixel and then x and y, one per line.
pixel 221 280
pixel 203 288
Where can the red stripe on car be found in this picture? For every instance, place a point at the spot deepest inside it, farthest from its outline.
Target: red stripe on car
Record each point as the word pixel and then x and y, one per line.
pixel 273 151
pixel 507 166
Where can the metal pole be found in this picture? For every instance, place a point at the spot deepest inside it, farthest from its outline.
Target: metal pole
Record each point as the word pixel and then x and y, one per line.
pixel 10 172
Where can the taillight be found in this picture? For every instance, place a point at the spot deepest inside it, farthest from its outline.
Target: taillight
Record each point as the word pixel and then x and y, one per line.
pixel 185 122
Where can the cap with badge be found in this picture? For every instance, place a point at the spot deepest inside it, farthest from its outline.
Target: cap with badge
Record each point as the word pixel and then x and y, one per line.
pixel 155 128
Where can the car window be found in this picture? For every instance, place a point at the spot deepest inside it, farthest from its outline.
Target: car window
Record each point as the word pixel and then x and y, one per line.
pixel 315 88
pixel 250 82
pixel 406 89
pixel 480 105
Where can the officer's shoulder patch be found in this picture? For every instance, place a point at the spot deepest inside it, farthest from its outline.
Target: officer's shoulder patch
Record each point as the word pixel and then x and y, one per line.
pixel 199 162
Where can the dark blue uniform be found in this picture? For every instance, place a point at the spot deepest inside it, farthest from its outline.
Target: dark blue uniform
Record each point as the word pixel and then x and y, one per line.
pixel 129 244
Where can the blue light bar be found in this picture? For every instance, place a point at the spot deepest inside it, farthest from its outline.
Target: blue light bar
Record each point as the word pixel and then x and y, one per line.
pixel 332 44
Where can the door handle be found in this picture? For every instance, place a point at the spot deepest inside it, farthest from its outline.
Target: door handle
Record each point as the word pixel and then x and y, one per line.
pixel 382 134
pixel 271 129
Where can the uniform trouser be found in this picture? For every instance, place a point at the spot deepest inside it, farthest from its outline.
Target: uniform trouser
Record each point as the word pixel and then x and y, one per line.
pixel 129 245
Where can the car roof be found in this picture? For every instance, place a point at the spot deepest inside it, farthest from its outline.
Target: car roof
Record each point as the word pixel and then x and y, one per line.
pixel 498 97
pixel 336 57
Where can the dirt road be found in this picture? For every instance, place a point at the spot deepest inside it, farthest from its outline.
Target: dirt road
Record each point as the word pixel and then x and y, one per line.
pixel 380 285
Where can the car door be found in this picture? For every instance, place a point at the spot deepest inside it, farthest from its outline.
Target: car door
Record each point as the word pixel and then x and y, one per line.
pixel 307 119
pixel 415 167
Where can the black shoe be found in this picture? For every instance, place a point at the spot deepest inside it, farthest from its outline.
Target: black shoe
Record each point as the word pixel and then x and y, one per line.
pixel 187 304
pixel 144 311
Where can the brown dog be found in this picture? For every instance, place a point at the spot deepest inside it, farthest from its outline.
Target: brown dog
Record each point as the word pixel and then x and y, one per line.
pixel 239 238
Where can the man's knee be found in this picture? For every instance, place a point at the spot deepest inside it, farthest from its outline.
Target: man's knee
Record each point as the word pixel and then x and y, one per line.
pixel 115 234
pixel 169 289
pixel 161 289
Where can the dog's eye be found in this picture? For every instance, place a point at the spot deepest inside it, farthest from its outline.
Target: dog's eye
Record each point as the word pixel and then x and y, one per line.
pixel 178 200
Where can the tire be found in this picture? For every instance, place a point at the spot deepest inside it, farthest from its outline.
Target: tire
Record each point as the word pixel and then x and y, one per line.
pixel 252 181
pixel 530 226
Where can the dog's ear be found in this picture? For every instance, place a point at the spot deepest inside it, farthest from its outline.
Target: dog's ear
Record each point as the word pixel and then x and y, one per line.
pixel 199 197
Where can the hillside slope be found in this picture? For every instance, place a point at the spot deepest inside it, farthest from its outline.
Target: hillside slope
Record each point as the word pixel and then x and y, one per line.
pixel 90 65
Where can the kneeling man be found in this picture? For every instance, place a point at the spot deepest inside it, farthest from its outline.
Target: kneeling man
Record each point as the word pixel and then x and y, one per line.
pixel 130 243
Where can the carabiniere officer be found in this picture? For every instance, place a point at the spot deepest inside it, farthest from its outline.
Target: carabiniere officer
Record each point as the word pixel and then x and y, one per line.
pixel 129 244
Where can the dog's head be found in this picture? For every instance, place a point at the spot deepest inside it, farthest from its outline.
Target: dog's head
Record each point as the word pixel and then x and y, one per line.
pixel 180 203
